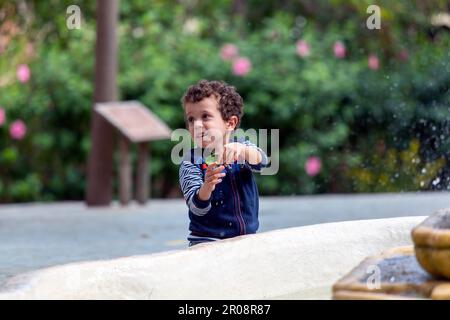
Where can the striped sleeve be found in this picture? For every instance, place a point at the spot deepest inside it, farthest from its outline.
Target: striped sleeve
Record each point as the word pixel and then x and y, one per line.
pixel 264 162
pixel 190 182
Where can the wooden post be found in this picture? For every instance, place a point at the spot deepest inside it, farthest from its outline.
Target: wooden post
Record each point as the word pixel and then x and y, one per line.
pixel 100 162
pixel 125 171
pixel 143 174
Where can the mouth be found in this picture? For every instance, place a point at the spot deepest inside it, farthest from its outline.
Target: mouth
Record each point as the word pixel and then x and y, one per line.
pixel 201 136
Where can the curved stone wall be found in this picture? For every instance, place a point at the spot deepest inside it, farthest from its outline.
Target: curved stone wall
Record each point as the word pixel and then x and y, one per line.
pixel 294 263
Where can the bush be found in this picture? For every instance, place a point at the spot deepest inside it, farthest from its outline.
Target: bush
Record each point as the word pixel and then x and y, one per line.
pixel 329 104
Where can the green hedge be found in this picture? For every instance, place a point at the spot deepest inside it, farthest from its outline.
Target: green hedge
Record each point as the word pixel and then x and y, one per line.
pixel 374 129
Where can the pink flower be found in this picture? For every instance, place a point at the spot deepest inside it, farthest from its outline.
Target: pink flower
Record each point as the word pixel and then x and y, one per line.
pixel 229 51
pixel 403 55
pixel 241 66
pixel 339 50
pixel 23 73
pixel 17 130
pixel 374 63
pixel 302 48
pixel 2 116
pixel 313 166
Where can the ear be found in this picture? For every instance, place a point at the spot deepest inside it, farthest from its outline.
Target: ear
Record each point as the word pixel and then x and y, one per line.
pixel 232 122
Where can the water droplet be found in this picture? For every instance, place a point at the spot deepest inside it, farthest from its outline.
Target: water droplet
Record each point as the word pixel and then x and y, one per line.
pixel 436 181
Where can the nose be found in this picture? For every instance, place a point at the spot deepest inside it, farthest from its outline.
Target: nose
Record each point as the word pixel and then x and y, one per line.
pixel 198 124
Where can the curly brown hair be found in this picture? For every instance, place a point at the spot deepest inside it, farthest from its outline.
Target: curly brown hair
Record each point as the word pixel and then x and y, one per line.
pixel 230 102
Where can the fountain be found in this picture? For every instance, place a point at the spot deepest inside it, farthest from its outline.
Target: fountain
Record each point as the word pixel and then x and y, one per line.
pixel 293 263
pixel 421 271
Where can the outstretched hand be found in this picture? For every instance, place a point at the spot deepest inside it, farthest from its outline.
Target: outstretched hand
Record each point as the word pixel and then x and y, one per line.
pixel 233 152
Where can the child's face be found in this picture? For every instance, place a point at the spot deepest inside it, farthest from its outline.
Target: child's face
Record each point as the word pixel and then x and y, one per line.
pixel 206 125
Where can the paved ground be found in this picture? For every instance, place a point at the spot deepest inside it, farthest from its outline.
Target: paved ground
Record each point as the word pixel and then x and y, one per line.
pixel 37 235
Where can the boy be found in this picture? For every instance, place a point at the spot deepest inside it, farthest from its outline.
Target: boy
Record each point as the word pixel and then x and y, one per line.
pixel 222 196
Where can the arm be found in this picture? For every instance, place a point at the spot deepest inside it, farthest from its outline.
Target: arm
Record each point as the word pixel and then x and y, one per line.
pixel 263 162
pixel 213 176
pixel 196 192
pixel 190 183
pixel 254 157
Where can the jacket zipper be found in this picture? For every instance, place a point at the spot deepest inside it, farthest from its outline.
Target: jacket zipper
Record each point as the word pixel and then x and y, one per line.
pixel 238 206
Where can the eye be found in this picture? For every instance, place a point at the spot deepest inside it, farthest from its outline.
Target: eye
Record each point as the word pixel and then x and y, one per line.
pixel 206 116
pixel 190 119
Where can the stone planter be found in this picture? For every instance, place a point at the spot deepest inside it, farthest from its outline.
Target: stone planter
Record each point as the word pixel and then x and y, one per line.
pixel 432 243
pixel 393 274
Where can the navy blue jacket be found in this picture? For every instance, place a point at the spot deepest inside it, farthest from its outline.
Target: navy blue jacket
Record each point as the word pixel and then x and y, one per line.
pixel 233 207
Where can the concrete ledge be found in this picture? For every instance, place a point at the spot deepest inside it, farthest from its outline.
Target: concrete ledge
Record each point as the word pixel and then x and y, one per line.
pixel 294 263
